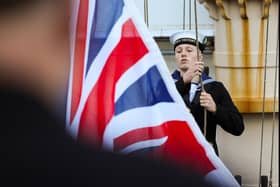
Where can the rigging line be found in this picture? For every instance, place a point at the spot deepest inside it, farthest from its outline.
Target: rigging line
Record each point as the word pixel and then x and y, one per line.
pixel 190 15
pixel 264 90
pixel 184 15
pixel 146 12
pixel 274 104
pixel 200 77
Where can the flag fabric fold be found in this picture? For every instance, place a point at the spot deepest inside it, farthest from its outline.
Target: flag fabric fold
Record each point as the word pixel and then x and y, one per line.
pixel 121 96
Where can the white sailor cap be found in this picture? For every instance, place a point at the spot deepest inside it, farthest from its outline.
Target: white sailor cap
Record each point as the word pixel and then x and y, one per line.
pixel 187 37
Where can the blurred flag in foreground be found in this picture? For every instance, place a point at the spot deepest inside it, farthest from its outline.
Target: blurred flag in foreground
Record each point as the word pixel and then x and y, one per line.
pixel 121 96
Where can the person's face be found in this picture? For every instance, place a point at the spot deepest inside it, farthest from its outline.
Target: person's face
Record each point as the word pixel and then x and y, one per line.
pixel 186 55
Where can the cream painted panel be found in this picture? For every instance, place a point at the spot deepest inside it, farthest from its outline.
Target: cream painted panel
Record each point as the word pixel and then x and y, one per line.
pixel 168 15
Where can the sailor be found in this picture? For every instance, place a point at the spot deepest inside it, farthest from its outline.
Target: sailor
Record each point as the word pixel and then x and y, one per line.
pixel 215 99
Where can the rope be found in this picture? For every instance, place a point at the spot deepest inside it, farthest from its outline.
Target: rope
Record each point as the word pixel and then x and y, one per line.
pixel 190 15
pixel 200 78
pixel 263 102
pixel 274 103
pixel 184 15
pixel 146 12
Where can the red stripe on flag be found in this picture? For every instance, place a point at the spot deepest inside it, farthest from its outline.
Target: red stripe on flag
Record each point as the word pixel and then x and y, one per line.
pixel 181 147
pixel 79 56
pixel 99 108
pixel 138 135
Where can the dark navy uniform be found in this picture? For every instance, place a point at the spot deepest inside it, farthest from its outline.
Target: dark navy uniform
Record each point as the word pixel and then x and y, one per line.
pixel 227 115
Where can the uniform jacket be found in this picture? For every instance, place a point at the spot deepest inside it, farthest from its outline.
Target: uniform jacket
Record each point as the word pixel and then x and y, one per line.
pixel 227 115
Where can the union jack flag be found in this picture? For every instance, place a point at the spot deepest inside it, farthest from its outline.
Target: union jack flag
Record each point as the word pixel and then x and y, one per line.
pixel 121 96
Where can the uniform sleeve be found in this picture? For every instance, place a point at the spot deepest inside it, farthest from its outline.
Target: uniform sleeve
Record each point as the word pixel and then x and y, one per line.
pixel 227 114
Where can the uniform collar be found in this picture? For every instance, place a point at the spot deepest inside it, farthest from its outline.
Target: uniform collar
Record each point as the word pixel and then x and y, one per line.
pixel 176 75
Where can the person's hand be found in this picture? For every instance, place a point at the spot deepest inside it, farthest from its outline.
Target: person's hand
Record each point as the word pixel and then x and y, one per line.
pixel 193 72
pixel 207 102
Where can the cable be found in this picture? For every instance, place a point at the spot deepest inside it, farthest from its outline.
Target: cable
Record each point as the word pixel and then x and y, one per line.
pixel 274 102
pixel 263 102
pixel 184 15
pixel 190 15
pixel 146 12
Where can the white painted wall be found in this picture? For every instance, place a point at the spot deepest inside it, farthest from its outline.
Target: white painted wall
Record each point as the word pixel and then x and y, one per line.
pixel 167 16
pixel 242 154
